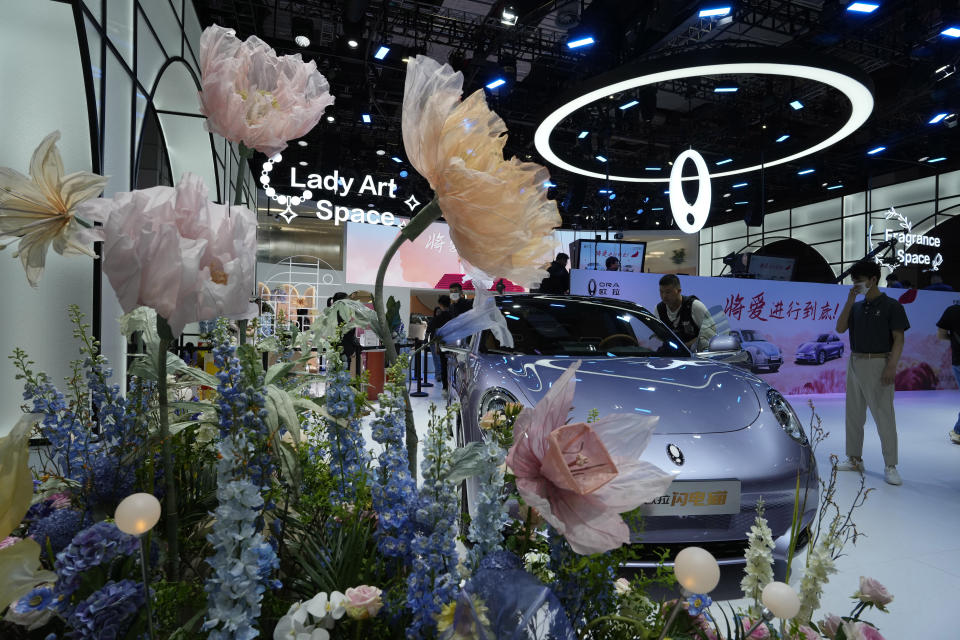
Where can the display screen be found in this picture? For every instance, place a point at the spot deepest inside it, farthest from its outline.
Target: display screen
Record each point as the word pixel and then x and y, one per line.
pixel 771 268
pixel 593 254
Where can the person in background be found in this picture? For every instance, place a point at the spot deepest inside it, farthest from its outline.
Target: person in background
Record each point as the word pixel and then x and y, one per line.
pixel 558 278
pixel 948 328
pixel 937 283
pixel 877 324
pixel 893 282
pixel 613 263
pixel 458 302
pixel 441 316
pixel 349 342
pixel 685 315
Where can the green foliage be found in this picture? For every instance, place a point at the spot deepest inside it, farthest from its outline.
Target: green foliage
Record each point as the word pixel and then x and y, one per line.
pixel 174 604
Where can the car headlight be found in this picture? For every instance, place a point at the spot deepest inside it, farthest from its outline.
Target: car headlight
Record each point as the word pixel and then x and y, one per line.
pixel 786 416
pixel 495 399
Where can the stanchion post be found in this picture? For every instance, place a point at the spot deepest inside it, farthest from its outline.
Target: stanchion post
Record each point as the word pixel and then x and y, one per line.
pixel 419 393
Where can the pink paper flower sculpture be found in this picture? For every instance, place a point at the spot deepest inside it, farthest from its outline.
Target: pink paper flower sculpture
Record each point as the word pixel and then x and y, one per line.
pixel 499 215
pixel 253 96
pixel 171 249
pixel 581 477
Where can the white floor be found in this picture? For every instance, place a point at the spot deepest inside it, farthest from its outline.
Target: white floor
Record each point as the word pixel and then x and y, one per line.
pixel 911 539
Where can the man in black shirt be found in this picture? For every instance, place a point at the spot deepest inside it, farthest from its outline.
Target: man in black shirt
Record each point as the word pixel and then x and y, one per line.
pixel 876 325
pixel 440 317
pixel 458 303
pixel 558 278
pixel 948 328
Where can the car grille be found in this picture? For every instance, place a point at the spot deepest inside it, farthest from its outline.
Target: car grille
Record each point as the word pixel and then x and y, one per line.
pixel 721 550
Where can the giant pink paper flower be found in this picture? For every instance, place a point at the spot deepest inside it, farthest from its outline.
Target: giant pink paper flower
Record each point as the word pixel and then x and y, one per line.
pixel 171 249
pixel 500 218
pixel 581 477
pixel 253 96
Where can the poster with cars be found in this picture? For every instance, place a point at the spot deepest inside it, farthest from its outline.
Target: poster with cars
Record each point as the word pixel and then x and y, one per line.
pixel 788 328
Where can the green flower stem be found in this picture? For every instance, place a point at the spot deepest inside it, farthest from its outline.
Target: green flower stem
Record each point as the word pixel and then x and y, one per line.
pixel 611 618
pixel 170 483
pixel 429 213
pixel 245 154
pixel 356 633
pixel 673 616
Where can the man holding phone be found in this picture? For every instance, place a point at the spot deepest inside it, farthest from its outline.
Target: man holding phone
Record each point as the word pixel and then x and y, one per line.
pixel 877 325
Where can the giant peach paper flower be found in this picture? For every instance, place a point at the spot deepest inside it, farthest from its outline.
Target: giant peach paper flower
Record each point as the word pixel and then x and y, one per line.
pixel 171 249
pixel 39 209
pixel 581 477
pixel 500 218
pixel 253 96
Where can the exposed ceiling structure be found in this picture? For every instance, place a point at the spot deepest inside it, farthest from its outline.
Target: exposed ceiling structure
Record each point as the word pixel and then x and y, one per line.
pixel 900 46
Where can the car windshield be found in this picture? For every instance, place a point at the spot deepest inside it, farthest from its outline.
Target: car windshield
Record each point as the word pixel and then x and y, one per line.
pixel 750 336
pixel 554 326
pixel 823 337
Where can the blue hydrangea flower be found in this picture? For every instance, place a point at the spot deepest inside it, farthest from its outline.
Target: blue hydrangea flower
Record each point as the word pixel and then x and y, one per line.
pixel 99 544
pixel 108 612
pixel 58 528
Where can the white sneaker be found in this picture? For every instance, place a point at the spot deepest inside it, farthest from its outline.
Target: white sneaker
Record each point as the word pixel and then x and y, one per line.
pixel 851 464
pixel 891 476
pixel 954 437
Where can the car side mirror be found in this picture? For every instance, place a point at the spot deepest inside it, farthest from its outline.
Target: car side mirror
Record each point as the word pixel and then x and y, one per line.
pixel 727 342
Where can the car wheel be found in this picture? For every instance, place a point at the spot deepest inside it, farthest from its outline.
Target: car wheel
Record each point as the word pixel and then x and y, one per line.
pixel 821 358
pixel 774 368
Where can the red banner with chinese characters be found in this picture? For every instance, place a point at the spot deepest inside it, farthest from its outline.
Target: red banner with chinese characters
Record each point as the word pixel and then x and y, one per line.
pixel 787 328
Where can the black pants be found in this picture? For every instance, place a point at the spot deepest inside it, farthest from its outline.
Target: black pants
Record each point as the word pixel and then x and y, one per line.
pixel 443 369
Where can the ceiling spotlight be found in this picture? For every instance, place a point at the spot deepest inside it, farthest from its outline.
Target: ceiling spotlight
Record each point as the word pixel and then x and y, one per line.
pixel 940 159
pixel 302 41
pixel 404 173
pixel 715 12
pixel 404 60
pixel 381 152
pixel 727 87
pixel 331 119
pixel 770 200
pixel 601 159
pixel 862 7
pixel 657 209
pixel 875 151
pixel 783 137
pixel 499 82
pixel 723 162
pixel 924 159
pixel 509 16
pixel 397 160
pixel 805 172
pixel 937 118
pixel 627 105
pixel 653 168
pixel 739 184
pixel 302 143
pixel 797 105
pixel 952 32
pixel 366 118
pixel 836 186
pixel 302 163
pixel 742 202
pixel 353 44
pixel 580 42
pixel 382 52
pixel 726 195
pixel 583 134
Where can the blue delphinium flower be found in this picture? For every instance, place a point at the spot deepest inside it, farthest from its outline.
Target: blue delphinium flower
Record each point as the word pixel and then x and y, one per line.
pixel 394 493
pixel 433 579
pixel 97 545
pixel 348 456
pixel 698 603
pixel 487 525
pixel 243 560
pixel 108 612
pixel 37 599
pixel 58 528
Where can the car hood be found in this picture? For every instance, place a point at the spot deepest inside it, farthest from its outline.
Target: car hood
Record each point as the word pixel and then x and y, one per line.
pixel 808 346
pixel 689 395
pixel 766 347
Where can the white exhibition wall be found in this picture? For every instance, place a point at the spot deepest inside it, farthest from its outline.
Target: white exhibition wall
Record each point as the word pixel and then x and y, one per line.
pixel 838 228
pixel 91 70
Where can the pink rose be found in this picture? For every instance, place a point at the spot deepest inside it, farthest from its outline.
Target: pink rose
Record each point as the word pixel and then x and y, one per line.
pixel 872 592
pixel 760 633
pixel 806 633
pixel 830 625
pixel 363 602
pixel 860 631
pixel 59 501
pixel 171 249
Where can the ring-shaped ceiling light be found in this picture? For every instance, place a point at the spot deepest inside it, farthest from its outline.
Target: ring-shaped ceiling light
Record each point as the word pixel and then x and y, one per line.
pixel 849 80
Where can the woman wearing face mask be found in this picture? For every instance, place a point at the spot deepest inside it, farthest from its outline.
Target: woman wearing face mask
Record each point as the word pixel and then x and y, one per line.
pixel 877 324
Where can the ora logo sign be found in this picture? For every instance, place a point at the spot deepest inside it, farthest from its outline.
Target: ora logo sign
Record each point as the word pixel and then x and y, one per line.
pixel 690 217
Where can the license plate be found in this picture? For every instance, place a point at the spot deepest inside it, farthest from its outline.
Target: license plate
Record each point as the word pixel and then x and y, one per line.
pixel 694 497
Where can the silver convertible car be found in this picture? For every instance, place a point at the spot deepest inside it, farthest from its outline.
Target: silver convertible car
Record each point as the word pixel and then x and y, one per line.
pixel 730 437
